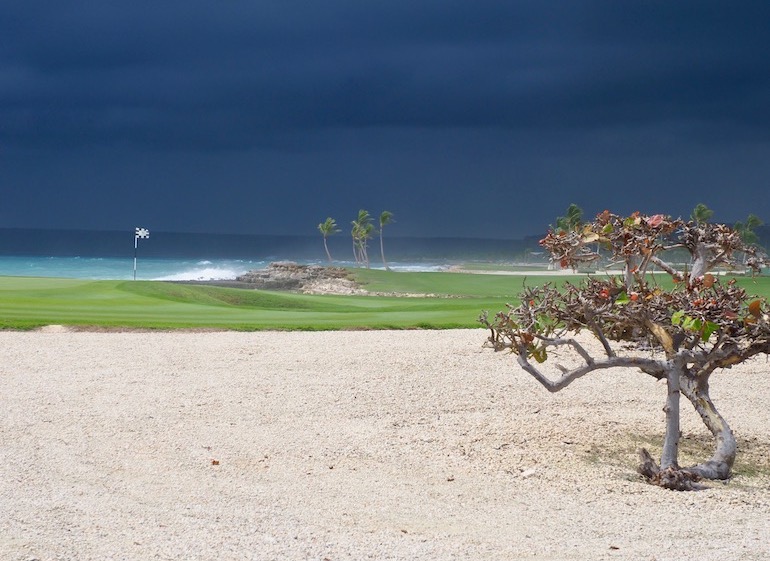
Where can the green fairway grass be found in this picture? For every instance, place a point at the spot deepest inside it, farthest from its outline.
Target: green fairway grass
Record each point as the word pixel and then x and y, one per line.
pixel 453 284
pixel 26 303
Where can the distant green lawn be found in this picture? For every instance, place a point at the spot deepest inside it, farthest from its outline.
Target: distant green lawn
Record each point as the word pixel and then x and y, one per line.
pixel 454 284
pixel 27 303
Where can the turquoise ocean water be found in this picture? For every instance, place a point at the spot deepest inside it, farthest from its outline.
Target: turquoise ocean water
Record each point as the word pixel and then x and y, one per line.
pixel 155 268
pixel 90 254
pixel 123 268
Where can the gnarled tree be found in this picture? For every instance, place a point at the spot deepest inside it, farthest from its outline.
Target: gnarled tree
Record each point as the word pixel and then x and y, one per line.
pixel 681 335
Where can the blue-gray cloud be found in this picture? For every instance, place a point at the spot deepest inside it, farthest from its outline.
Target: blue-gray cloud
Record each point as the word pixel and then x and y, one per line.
pixel 226 74
pixel 446 112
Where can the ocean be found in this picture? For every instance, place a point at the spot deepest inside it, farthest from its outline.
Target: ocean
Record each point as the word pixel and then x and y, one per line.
pixel 103 268
pixel 100 255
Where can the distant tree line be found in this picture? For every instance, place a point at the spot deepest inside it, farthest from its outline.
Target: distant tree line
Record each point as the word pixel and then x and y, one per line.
pixel 362 231
pixel 572 221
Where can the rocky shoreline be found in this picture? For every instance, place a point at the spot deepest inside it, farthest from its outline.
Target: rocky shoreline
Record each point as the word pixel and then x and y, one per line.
pixel 308 279
pixel 305 279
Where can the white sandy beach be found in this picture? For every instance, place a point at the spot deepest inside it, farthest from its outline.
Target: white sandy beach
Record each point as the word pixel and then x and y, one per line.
pixel 350 446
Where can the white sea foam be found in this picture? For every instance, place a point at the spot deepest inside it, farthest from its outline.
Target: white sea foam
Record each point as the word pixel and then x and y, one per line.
pixel 418 268
pixel 161 268
pixel 204 274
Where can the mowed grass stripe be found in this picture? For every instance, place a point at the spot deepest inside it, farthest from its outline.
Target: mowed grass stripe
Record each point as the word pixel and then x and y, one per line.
pixel 31 302
pixel 28 303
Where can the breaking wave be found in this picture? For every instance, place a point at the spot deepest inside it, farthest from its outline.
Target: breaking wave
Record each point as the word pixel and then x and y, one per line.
pixel 203 274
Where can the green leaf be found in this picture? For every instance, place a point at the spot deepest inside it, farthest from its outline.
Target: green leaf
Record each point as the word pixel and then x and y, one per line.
pixel 692 324
pixel 544 323
pixel 539 354
pixel 708 328
pixel 676 317
pixel 622 298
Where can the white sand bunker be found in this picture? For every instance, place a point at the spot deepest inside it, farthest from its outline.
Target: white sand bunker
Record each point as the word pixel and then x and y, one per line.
pixel 54 329
pixel 397 445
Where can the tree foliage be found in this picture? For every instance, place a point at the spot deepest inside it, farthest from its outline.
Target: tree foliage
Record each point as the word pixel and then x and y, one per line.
pixel 328 228
pixel 746 229
pixel 361 232
pixel 701 214
pixel 571 220
pixel 681 335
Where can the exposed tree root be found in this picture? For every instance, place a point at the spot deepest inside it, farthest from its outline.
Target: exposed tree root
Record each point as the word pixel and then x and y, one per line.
pixel 672 477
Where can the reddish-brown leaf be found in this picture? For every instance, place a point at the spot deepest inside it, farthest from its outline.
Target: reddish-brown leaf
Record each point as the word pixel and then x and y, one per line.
pixel 755 308
pixel 655 220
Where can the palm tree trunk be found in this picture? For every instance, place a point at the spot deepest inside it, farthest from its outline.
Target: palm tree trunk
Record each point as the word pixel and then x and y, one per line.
pixel 326 247
pixel 382 252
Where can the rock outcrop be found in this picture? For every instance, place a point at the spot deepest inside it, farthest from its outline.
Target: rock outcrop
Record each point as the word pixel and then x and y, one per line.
pixel 309 279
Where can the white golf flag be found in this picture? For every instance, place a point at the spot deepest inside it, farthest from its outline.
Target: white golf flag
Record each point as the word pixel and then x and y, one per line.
pixel 142 233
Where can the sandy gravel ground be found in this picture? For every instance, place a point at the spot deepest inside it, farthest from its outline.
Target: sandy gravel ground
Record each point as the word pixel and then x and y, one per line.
pixel 351 446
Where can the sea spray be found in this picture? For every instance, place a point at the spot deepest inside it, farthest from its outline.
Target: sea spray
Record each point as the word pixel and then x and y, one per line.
pixel 153 268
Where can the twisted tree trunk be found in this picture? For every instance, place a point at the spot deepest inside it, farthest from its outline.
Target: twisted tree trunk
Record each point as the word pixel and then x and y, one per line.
pixel 669 457
pixel 669 474
pixel 628 273
pixel 719 466
pixel 699 261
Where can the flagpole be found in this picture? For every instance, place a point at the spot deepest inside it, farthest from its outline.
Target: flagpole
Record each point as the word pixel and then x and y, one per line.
pixel 143 233
pixel 136 243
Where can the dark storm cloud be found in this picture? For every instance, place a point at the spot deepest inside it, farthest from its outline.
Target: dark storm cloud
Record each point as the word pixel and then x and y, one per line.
pixel 229 74
pixel 265 117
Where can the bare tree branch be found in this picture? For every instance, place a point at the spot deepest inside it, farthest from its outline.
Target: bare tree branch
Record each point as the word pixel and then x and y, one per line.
pixel 654 368
pixel 666 267
pixel 599 333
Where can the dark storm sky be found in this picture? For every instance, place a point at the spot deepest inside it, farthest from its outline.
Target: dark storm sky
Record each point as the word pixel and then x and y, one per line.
pixel 474 118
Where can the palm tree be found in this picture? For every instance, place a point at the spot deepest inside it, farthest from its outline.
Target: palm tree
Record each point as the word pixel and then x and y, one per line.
pixel 362 233
pixel 328 228
pixel 572 220
pixel 385 218
pixel 701 214
pixel 748 235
